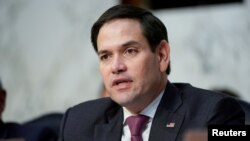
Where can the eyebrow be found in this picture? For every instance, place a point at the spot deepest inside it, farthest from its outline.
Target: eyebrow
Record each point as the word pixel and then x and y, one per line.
pixel 129 43
pixel 102 52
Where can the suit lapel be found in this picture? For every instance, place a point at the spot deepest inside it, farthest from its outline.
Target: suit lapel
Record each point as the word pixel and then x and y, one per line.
pixel 167 122
pixel 112 130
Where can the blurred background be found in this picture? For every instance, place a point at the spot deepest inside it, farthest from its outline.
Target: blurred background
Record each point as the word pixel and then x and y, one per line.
pixel 47 62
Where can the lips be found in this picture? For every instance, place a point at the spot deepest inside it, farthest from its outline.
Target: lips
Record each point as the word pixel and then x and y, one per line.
pixel 117 82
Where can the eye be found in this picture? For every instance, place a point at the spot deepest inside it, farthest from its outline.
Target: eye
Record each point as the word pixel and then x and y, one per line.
pixel 104 57
pixel 131 51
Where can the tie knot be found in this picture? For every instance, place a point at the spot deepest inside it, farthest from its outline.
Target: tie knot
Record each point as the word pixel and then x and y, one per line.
pixel 136 124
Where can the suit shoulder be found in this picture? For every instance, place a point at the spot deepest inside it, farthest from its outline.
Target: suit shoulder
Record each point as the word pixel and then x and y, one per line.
pixel 91 109
pixel 80 120
pixel 195 93
pixel 205 99
pixel 93 105
pixel 209 106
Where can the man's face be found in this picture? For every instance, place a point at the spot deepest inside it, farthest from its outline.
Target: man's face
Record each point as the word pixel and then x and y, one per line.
pixel 132 73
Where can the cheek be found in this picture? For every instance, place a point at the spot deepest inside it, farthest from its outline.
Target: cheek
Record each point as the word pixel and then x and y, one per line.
pixel 145 68
pixel 149 65
pixel 104 72
pixel 150 70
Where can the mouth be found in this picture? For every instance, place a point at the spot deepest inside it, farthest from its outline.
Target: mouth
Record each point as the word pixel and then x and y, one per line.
pixel 122 81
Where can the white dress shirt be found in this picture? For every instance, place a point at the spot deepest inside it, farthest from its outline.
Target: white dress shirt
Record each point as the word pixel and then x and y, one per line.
pixel 148 111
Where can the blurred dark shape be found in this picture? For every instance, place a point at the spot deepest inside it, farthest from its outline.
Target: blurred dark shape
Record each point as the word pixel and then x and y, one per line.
pixel 12 130
pixel 44 128
pixel 160 4
pixel 196 135
pixel 244 104
pixel 166 4
pixel 51 121
pixel 133 2
pixel 2 100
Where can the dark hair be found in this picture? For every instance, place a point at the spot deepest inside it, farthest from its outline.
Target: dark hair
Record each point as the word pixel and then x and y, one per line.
pixel 153 29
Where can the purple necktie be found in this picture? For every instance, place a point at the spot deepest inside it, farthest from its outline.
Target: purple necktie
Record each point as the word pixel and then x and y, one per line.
pixel 136 124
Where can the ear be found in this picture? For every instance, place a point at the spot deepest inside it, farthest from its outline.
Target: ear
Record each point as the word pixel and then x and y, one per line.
pixel 163 53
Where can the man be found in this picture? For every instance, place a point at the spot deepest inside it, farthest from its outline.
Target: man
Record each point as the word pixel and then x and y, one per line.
pixel 134 55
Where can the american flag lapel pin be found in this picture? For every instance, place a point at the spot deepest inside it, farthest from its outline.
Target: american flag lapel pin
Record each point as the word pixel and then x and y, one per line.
pixel 170 125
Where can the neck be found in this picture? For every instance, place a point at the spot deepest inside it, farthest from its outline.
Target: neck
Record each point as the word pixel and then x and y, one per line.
pixel 144 101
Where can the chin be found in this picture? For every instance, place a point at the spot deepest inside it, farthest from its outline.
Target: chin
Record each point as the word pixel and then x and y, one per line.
pixel 120 101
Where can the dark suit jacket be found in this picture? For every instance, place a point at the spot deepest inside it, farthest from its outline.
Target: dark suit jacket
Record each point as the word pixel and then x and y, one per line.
pixel 182 104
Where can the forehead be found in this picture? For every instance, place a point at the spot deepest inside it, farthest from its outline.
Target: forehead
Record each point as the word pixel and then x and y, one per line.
pixel 120 30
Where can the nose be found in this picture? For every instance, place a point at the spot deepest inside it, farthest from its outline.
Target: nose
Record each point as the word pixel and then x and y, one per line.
pixel 118 66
